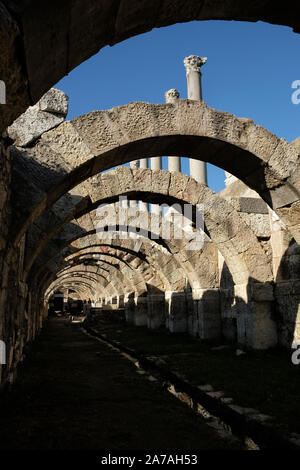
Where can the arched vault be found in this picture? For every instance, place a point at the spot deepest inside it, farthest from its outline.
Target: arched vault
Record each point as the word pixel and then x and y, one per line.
pixel 41 42
pixel 79 149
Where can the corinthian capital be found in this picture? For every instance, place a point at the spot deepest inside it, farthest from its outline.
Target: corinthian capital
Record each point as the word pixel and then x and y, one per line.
pixel 171 95
pixel 193 63
pixel 135 164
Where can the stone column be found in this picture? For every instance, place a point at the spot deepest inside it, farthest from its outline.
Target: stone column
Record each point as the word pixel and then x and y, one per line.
pixel 135 164
pixel 129 306
pixel 156 165
pixel 173 162
pixel 140 313
pixel 193 75
pixel 156 311
pixel 144 164
pixel 176 312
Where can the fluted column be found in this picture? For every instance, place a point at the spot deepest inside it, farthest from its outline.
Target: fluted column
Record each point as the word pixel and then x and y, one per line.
pixel 193 63
pixel 173 162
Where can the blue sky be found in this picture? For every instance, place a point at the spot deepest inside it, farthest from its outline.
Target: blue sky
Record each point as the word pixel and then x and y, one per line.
pixel 249 72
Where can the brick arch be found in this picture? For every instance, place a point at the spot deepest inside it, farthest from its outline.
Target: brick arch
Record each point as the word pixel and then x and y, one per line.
pixel 103 139
pixel 55 37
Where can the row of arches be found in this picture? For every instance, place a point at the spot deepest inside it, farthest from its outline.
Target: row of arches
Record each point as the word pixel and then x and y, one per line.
pixel 231 287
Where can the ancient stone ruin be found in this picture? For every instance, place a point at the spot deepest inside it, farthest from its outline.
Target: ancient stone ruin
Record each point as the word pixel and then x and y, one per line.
pixel 241 285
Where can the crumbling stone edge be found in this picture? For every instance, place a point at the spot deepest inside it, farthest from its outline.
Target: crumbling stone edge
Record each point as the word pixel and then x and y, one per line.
pixel 243 421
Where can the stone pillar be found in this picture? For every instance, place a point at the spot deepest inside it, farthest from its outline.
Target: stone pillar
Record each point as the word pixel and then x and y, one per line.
pixel 135 164
pixel 65 293
pixel 193 75
pixel 140 312
pixel 156 311
pixel 256 327
pixel 173 162
pixel 156 165
pixel 121 301
pixel 144 205
pixel 129 305
pixel 176 312
pixel 192 314
pixel 209 316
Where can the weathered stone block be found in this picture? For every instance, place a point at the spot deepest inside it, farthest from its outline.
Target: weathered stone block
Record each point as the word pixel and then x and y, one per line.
pixel 262 292
pixel 54 101
pixel 31 125
pixel 39 118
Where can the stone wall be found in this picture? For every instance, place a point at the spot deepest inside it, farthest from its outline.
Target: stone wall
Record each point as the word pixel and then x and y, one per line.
pixel 19 309
pixel 281 250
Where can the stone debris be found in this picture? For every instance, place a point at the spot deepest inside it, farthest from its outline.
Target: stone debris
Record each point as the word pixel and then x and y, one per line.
pixel 47 114
pixel 54 101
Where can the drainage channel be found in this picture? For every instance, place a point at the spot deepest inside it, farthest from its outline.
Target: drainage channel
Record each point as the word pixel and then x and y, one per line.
pixel 154 374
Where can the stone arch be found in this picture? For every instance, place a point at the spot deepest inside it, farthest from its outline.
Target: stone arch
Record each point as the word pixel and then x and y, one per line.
pixel 134 279
pixel 109 270
pixel 58 32
pixel 132 259
pixel 233 237
pixel 158 259
pixel 148 261
pixel 150 255
pixel 103 139
pixel 82 287
pixel 93 277
pixel 70 278
pixel 182 259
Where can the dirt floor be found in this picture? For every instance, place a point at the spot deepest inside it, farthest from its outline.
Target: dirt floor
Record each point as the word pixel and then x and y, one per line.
pixel 265 380
pixel 74 392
